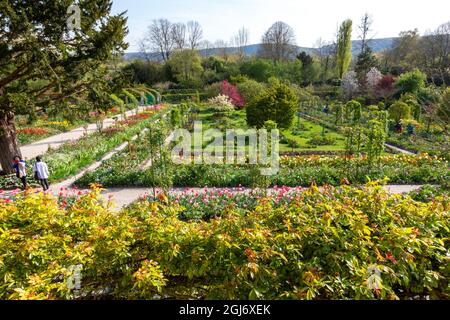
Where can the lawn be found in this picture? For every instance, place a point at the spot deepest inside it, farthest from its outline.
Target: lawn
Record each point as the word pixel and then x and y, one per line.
pixel 295 138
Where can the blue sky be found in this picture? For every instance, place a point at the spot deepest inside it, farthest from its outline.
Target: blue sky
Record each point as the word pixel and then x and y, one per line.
pixel 310 19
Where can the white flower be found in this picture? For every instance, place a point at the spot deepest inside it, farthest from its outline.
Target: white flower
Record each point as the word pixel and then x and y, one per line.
pixel 221 103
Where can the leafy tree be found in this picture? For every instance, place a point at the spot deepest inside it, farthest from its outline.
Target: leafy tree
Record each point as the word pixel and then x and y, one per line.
pixel 376 137
pixel 344 48
pixel 403 55
pixel 148 72
pixel 310 70
pixel 37 43
pixel 251 89
pixel 305 58
pixel 289 70
pixel 411 82
pixel 278 103
pixel 187 67
pixel 365 61
pixel 413 104
pixel 354 108
pixel 398 111
pixel 258 69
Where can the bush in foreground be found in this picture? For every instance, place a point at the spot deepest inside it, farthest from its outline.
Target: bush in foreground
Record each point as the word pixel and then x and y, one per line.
pixel 320 245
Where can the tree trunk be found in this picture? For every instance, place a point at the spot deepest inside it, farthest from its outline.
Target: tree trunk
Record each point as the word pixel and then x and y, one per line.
pixel 9 146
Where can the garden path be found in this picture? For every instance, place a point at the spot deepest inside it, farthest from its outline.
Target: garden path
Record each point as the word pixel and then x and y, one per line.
pixel 397 149
pixel 122 197
pixel 40 147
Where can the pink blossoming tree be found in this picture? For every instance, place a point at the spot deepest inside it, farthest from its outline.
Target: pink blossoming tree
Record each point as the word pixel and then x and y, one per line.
pixel 232 92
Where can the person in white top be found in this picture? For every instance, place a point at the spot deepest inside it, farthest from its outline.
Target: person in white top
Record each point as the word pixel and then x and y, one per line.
pixel 40 169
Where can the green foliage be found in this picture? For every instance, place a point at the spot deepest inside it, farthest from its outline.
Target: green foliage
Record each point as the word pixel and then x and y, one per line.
pixel 376 137
pixel 311 245
pixel 294 171
pixel 353 109
pixel 354 138
pixel 71 157
pixel 250 90
pixel 429 193
pixel 444 109
pixel 344 48
pixel 258 69
pixel 399 110
pixel 147 72
pixel 130 97
pixel 270 125
pixel 411 82
pixel 365 61
pixel 187 67
pixel 278 103
pixel 321 140
pixel 175 117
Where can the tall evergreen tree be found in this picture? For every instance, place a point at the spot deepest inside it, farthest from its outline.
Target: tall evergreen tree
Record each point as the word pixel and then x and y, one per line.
pixel 365 61
pixel 344 48
pixel 44 60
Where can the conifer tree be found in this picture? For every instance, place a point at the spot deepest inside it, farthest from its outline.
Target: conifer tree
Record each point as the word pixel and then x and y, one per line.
pixel 46 57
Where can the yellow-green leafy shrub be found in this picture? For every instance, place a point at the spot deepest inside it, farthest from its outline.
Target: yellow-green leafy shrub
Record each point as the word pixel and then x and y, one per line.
pixel 322 245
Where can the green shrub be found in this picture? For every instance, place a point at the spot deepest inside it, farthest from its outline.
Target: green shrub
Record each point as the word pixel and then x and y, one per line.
pixel 306 245
pixel 278 103
pixel 321 140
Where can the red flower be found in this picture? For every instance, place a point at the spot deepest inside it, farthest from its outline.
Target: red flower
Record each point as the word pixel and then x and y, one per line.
pixel 33 131
pixel 390 257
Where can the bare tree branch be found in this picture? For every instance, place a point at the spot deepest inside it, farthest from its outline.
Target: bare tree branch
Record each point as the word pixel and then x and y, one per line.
pixel 278 42
pixel 195 32
pixel 240 40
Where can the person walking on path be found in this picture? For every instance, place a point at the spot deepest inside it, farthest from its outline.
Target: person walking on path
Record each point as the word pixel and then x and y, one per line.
pixel 40 169
pixel 21 172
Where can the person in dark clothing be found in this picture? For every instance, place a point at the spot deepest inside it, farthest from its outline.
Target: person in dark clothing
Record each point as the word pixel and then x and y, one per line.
pixel 21 172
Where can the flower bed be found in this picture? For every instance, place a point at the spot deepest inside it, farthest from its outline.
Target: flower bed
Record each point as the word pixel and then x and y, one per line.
pixel 31 134
pixel 319 245
pixel 210 203
pixel 294 171
pixel 71 157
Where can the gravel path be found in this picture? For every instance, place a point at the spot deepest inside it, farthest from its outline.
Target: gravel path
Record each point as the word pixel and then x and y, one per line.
pixel 40 147
pixel 122 197
pixel 397 149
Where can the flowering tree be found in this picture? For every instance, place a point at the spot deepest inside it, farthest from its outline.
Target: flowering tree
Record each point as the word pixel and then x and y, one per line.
pixel 373 78
pixel 385 86
pixel 350 84
pixel 232 92
pixel 221 103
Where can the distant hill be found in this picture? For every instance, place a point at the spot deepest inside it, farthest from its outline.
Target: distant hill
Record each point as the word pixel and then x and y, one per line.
pixel 376 45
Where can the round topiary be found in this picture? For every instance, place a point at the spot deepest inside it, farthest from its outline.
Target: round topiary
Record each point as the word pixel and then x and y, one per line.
pixel 278 104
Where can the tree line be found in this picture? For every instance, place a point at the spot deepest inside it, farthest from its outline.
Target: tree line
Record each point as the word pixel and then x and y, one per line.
pixel 327 63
